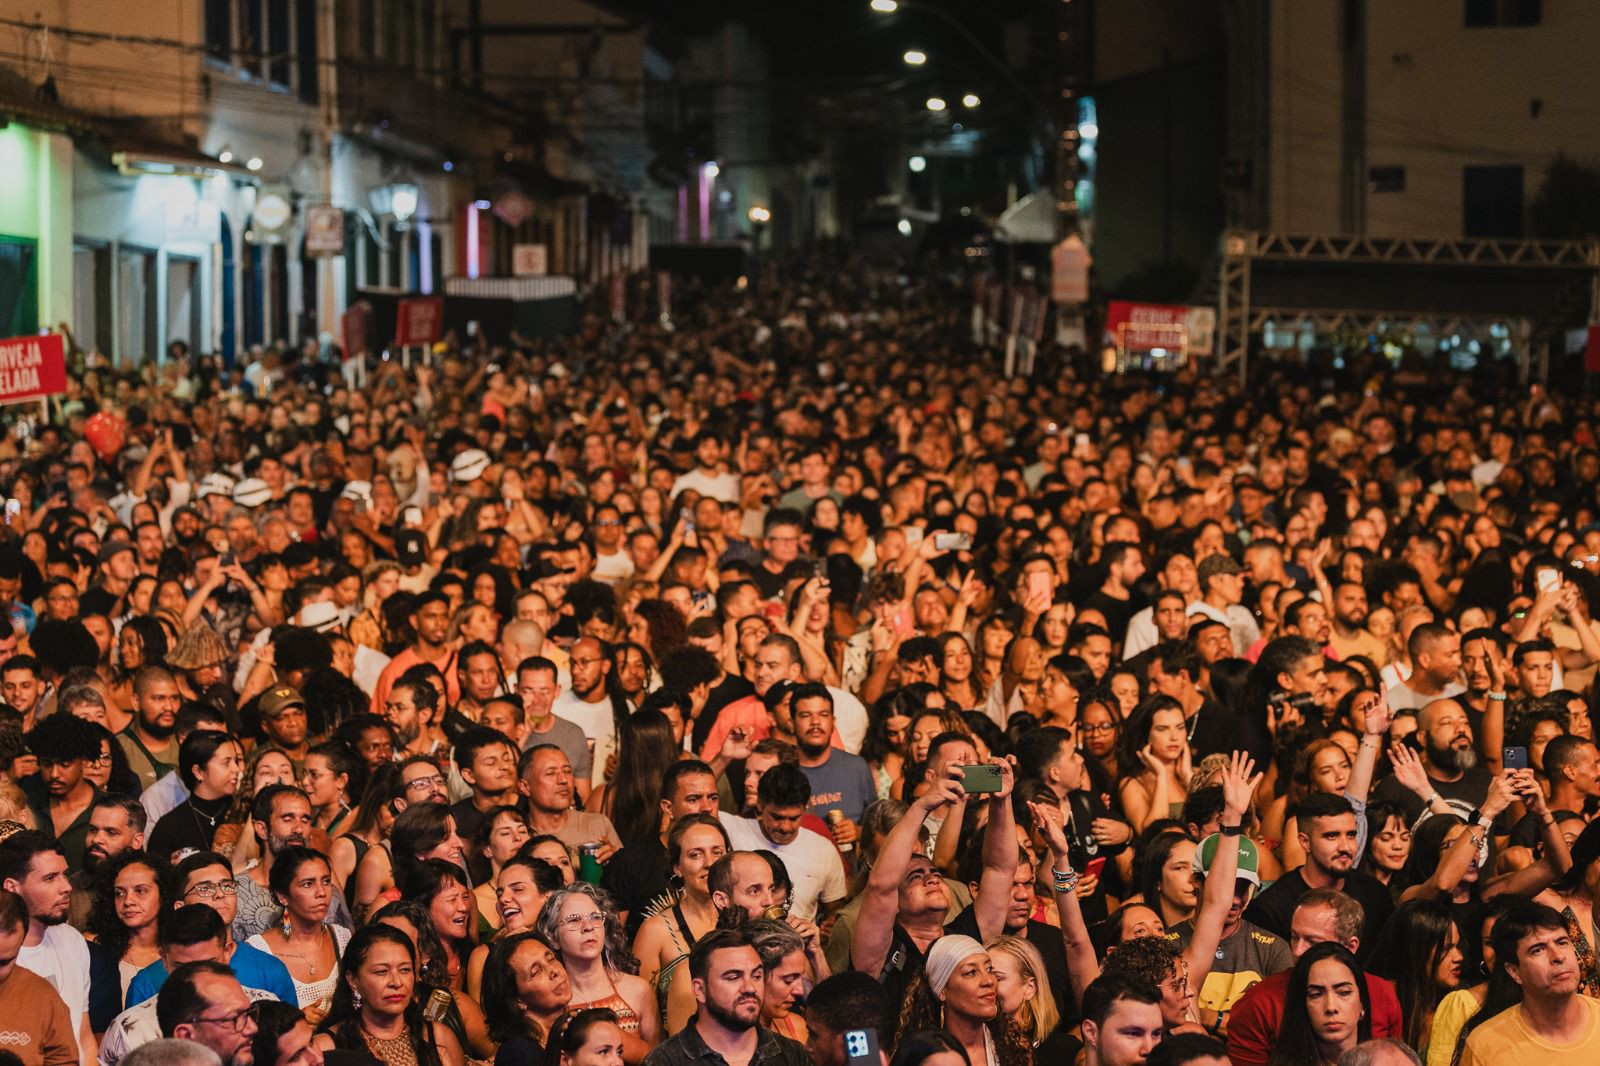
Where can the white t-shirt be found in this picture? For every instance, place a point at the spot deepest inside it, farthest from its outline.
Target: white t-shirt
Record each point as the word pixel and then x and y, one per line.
pixel 595 719
pixel 811 859
pixel 618 566
pixel 723 486
pixel 850 718
pixel 62 958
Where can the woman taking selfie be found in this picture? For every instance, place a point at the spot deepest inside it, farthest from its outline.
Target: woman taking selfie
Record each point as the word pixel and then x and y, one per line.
pixel 375 1009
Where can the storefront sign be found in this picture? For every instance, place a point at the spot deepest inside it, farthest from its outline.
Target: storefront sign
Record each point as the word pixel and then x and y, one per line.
pixel 355 326
pixel 1178 328
pixel 269 220
pixel 529 259
pixel 324 230
pixel 419 321
pixel 513 209
pixel 32 367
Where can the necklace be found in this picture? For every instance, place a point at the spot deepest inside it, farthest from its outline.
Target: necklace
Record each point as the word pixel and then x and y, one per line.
pixel 206 823
pixel 393 1050
pixel 309 959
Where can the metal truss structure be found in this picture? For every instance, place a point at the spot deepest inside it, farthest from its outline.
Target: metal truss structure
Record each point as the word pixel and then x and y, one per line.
pixel 1573 266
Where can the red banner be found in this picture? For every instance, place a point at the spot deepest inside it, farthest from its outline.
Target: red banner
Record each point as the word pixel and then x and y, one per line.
pixel 1140 327
pixel 1591 351
pixel 355 326
pixel 419 321
pixel 32 367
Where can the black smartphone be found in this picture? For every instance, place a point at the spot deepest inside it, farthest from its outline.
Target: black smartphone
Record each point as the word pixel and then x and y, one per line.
pixel 861 1047
pixel 226 559
pixel 981 777
pixel 1514 758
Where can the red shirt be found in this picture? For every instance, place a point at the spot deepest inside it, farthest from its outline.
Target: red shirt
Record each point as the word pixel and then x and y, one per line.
pixel 1258 1016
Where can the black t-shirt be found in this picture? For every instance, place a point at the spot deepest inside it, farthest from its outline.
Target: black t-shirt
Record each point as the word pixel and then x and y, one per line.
pixel 1083 849
pixel 1274 909
pixel 191 824
pixel 96 601
pixel 1465 795
pixel 1529 829
pixel 769 583
pixel 636 876
pixel 1117 612
pixel 1047 938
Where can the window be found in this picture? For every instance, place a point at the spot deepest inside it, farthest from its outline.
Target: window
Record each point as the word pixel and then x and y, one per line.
pixel 278 46
pixel 219 30
pixel 1491 201
pixel 305 36
pixel 1489 13
pixel 1386 179
pixel 19 286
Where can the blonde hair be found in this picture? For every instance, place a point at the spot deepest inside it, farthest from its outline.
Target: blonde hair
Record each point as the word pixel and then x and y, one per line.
pixel 1038 1017
pixel 14 804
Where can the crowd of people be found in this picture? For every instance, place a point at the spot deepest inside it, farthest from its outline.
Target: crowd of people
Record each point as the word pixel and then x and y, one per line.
pixel 780 684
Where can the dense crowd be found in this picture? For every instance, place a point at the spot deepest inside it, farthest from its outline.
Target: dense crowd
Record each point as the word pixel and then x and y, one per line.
pixel 779 684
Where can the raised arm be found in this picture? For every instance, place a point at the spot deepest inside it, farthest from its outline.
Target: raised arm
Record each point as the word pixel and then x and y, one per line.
pixel 1557 858
pixel 881 901
pixel 1239 780
pixel 1454 863
pixel 1376 721
pixel 1409 771
pixel 999 859
pixel 1083 965
pixel 1493 733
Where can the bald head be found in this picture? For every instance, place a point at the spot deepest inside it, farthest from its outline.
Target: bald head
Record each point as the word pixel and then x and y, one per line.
pixel 520 640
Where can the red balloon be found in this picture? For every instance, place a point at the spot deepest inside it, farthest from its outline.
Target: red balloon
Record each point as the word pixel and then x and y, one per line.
pixel 105 434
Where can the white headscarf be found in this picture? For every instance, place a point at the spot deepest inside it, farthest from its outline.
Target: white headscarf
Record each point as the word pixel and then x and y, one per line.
pixel 945 955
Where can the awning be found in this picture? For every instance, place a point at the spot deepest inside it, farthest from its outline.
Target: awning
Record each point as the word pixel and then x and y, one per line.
pixel 1031 220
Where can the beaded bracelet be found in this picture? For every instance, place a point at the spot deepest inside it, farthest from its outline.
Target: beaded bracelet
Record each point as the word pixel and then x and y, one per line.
pixel 1065 881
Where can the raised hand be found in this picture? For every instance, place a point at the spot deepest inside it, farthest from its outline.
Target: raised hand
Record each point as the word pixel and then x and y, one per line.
pixel 1408 770
pixel 1048 820
pixel 1377 715
pixel 1239 781
pixel 1151 761
pixel 943 792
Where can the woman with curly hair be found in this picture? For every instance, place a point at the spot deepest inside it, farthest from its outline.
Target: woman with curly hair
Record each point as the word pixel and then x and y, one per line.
pixel 957 992
pixel 582 924
pixel 889 733
pixel 126 912
pixel 376 1009
pixel 142 642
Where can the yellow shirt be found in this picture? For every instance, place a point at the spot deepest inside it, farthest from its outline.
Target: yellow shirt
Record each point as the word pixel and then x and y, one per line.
pixel 1454 1012
pixel 1506 1040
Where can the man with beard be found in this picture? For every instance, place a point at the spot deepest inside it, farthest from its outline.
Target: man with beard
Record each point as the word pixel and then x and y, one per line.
pixel 413 710
pixel 61 795
pixel 32 1014
pixel 1451 763
pixel 1350 635
pixel 1436 654
pixel 34 867
pixel 116 825
pixel 1328 833
pixel 840 782
pixel 149 743
pixel 587 704
pixel 813 863
pixel 430 620
pixel 726 974
pixel 280 817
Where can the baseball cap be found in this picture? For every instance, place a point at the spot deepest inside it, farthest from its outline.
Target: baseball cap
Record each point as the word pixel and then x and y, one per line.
pixel 1220 563
pixel 1249 858
pixel 359 491
pixel 411 547
pixel 111 549
pixel 469 465
pixel 277 700
pixel 251 492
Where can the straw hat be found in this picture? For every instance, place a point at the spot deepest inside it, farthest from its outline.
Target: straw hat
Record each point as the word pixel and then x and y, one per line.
pixel 198 647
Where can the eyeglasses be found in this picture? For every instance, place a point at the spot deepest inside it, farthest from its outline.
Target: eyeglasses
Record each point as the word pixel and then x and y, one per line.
pixel 431 781
pixel 213 889
pixel 1098 727
pixel 235 1020
pixel 578 921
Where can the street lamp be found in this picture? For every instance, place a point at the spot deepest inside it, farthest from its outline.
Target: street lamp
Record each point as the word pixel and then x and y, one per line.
pixel 917 164
pixel 915 58
pixel 936 103
pixel 760 215
pixel 885 7
pixel 970 101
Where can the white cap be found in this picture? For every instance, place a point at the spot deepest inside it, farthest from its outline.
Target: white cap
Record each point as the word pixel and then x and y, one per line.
pixel 321 616
pixel 251 492
pixel 469 465
pixel 360 491
pixel 215 485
